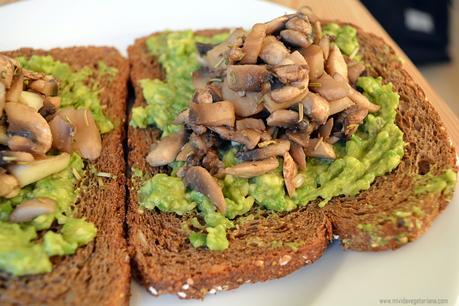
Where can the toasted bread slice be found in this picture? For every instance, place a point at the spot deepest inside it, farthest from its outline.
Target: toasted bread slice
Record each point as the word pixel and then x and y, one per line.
pixel 99 273
pixel 166 263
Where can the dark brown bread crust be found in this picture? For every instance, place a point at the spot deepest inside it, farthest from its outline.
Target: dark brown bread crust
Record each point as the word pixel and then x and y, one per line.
pixel 165 262
pixel 99 273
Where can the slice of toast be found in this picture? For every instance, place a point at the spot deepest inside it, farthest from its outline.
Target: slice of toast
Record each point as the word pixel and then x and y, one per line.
pixel 386 216
pixel 98 273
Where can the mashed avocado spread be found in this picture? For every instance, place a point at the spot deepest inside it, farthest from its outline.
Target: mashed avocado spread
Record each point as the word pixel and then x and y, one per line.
pixel 26 248
pixel 375 149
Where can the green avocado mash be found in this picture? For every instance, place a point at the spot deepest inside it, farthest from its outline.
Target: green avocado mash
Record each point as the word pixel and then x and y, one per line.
pixel 73 88
pixel 176 52
pixel 443 183
pixel 375 149
pixel 346 38
pixel 21 252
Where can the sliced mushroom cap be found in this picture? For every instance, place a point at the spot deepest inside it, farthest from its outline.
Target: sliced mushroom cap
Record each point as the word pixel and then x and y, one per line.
pixel 253 43
pixel 290 73
pixel 330 88
pixel 17 86
pixel 336 62
pixel 244 105
pixel 325 130
pixel 3 136
pixel 9 186
pixel 272 105
pixel 287 94
pixel 76 129
pixel 290 171
pixel 199 179
pixel 7 69
pixel 246 77
pixel 297 153
pixel 299 24
pixel 314 57
pixel 32 100
pixel 277 148
pixel 316 107
pixel 339 105
pixel 201 78
pixel 296 38
pixel 198 144
pixel 252 168
pixel 321 149
pixel 30 209
pixel 166 150
pixel 182 118
pixel 362 101
pixel 250 123
pixel 317 31
pixel 215 57
pixel 354 70
pixel 202 95
pixel 249 138
pixel 185 152
pixel 283 118
pixel 301 138
pixel 273 51
pixel 24 120
pixel 325 45
pixel 47 86
pixel 215 114
pixel 353 117
pixel 31 172
pixel 297 58
pixel 12 157
pixel 2 98
pixel 276 24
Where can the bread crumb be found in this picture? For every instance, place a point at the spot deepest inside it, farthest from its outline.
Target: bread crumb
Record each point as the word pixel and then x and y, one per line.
pixel 259 263
pixel 285 260
pixel 185 286
pixel 152 290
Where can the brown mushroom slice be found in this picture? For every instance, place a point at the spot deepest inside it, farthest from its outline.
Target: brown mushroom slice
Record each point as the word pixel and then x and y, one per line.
pixel 316 107
pixel 185 152
pixel 314 57
pixel 325 130
pixel 282 118
pixel 24 120
pixel 75 130
pixel 339 105
pixel 287 94
pixel 2 98
pixel 290 73
pixel 7 70
pixel 272 105
pixel 301 138
pixel 250 123
pixel 330 88
pixel 215 57
pixel 278 148
pixel 182 118
pixel 3 136
pixel 215 114
pixel 31 172
pixel 17 86
pixel 317 31
pixel 297 58
pixel 30 209
pixel 362 101
pixel 47 86
pixel 166 150
pixel 336 63
pixel 289 170
pixel 352 118
pixel 320 149
pixel 296 38
pixel 273 51
pixel 198 144
pixel 244 105
pixel 203 96
pixel 276 24
pixel 10 157
pixel 252 168
pixel 201 77
pixel 253 43
pixel 297 153
pixel 325 46
pixel 299 24
pixel 31 99
pixel 9 186
pixel 246 77
pixel 249 138
pixel 199 179
pixel 354 70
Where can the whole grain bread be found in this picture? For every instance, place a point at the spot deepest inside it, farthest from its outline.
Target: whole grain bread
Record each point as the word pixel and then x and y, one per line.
pixel 166 263
pixel 99 273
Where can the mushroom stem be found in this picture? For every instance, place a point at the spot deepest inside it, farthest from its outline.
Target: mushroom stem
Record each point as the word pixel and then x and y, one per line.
pixel 252 168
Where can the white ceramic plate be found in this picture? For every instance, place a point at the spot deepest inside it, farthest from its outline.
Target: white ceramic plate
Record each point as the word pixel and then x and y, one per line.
pixel 426 269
